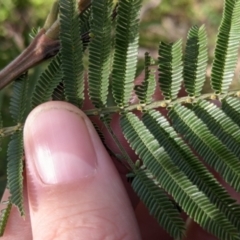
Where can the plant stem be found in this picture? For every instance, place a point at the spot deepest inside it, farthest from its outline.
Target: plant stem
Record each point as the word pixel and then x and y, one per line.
pixel 52 16
pixel 115 109
pixel 41 48
pixel 6 131
pixel 121 148
pixel 159 104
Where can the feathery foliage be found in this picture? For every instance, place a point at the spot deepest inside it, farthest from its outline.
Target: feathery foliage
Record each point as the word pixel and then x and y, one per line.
pixel 219 124
pixel 47 82
pixel 15 147
pixel 100 50
pixel 159 204
pixel 173 144
pixel 126 50
pixel 207 145
pixel 15 170
pixel 18 101
pixel 58 92
pixel 146 90
pixel 231 107
pixel 170 69
pixel 186 161
pixel 71 52
pixel 192 201
pixel 226 52
pixel 85 18
pixel 195 61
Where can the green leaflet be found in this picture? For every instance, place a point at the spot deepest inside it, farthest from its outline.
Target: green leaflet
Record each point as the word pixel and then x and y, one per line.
pixel 187 195
pixel 195 61
pixel 126 50
pixel 100 134
pixel 146 90
pixel 47 82
pixel 226 51
pixel 15 170
pixel 231 106
pixel 4 216
pixel 219 124
pixel 19 99
pixel 186 161
pixel 159 204
pixel 207 145
pixel 170 69
pixel 58 92
pixel 85 17
pixel 15 147
pixel 71 52
pixel 100 49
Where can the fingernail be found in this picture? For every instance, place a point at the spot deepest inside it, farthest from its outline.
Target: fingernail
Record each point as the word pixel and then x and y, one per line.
pixel 60 146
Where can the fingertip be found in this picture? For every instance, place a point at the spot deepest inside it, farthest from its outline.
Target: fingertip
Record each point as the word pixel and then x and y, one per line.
pixel 85 205
pixel 58 132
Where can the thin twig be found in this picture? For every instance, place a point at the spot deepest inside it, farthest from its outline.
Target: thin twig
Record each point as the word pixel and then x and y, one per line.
pixel 121 148
pixel 159 104
pixel 39 50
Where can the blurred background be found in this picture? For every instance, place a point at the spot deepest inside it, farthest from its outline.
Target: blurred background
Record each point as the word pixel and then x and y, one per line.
pixel 161 20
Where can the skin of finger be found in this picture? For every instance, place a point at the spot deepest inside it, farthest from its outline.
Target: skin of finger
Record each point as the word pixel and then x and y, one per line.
pixel 17 227
pixel 96 208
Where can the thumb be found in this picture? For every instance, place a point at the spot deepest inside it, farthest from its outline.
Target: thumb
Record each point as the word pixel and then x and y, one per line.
pixel 74 189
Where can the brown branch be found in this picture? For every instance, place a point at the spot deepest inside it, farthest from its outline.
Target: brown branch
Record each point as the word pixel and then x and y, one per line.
pixel 41 48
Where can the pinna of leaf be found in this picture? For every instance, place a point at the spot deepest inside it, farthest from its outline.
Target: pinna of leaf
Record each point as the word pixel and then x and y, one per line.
pixel 170 167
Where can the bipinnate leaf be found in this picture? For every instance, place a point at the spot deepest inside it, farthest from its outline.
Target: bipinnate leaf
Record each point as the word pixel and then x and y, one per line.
pixel 194 202
pixel 209 147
